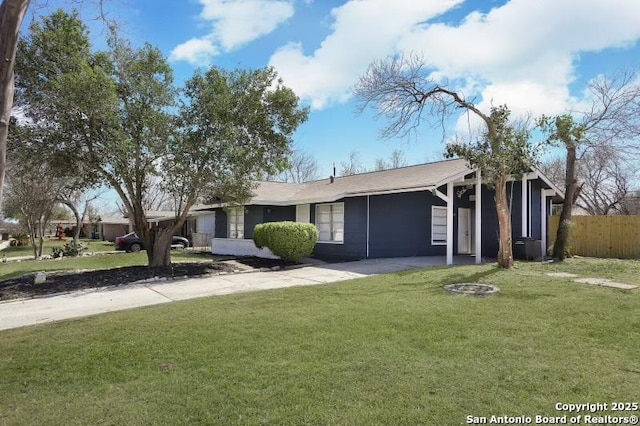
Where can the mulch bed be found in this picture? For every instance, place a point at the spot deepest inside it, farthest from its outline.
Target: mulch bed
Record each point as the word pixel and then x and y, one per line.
pixel 65 281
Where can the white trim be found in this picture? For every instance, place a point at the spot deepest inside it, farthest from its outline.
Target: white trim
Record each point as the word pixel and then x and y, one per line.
pixel 440 195
pixel 543 217
pixel 546 180
pixel 433 209
pixel 523 206
pixel 330 223
pixel 453 178
pixel 478 207
pixel 236 212
pixel 450 223
pixel 303 213
pixel 529 208
pixel 464 240
pixel 368 225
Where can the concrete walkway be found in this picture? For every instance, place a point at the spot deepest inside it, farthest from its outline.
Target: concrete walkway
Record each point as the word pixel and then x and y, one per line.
pixel 90 302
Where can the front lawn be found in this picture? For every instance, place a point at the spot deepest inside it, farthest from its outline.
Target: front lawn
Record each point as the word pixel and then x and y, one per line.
pixel 50 244
pixel 391 349
pixel 98 262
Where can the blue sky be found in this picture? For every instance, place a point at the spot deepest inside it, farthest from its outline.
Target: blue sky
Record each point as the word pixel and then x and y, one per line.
pixel 536 56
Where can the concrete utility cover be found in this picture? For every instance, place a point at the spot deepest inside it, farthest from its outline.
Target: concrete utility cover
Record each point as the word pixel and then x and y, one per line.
pixel 474 289
pixel 562 275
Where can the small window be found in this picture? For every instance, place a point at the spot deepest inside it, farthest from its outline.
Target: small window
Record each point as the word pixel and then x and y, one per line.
pixel 438 226
pixel 235 217
pixel 330 222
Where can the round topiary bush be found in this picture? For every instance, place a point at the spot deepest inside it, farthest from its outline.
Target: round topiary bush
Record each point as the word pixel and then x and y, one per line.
pixel 289 240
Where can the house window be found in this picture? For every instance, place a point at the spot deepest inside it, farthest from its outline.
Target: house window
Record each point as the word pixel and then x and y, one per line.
pixel 235 217
pixel 438 226
pixel 330 222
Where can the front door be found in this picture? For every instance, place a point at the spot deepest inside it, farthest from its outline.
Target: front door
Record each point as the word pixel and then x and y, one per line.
pixel 464 231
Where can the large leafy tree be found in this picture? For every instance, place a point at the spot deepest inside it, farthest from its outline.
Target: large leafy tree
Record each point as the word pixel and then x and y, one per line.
pixel 234 126
pixel 118 122
pixel 400 90
pixel 12 13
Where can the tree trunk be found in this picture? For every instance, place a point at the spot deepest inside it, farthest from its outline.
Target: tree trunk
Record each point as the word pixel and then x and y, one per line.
pixel 11 15
pixel 571 184
pixel 159 254
pixel 505 251
pixel 76 213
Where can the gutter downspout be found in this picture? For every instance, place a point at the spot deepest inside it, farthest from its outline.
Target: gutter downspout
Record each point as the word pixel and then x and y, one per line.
pixel 368 226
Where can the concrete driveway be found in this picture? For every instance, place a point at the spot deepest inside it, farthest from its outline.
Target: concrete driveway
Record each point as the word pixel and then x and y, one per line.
pixel 90 302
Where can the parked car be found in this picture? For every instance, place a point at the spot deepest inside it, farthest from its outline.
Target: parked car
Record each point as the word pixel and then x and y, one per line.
pixel 132 243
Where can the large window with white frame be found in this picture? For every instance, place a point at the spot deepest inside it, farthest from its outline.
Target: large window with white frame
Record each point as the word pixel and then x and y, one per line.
pixel 438 226
pixel 235 216
pixel 330 222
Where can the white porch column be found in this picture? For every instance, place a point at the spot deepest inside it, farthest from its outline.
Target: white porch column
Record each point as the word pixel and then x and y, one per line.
pixel 525 198
pixel 478 230
pixel 450 223
pixel 543 218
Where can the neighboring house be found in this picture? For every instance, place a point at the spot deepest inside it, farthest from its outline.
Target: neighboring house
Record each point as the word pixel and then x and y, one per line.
pixel 199 227
pixel 433 209
pixel 112 227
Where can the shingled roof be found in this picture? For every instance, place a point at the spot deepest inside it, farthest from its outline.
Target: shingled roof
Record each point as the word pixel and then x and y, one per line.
pixel 404 179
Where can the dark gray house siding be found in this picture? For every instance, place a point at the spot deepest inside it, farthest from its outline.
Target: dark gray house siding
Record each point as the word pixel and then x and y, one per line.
pixel 514 193
pixel 280 213
pixel 355 231
pixel 221 223
pixel 400 225
pixel 254 215
pixel 536 223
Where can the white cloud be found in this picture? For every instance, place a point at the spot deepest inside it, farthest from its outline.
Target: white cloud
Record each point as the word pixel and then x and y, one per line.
pixel 234 23
pixel 195 51
pixel 523 53
pixel 362 31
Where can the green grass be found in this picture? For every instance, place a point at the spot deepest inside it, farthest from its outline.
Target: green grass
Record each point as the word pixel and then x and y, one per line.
pixel 391 349
pixel 106 261
pixel 49 245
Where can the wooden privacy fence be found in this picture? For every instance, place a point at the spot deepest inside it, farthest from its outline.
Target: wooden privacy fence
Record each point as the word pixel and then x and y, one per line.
pixel 602 236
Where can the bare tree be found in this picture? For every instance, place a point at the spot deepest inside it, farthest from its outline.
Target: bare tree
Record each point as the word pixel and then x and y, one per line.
pixel 613 119
pixel 303 167
pixel 80 204
pixel 353 166
pixel 396 160
pixel 605 179
pixel 31 200
pixel 400 90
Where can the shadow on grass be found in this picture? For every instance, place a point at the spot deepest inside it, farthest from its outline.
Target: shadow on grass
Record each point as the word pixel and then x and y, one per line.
pixel 469 278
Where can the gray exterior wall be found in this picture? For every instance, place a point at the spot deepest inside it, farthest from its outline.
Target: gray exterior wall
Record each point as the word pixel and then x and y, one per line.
pixel 221 223
pixel 279 213
pixel 400 225
pixel 253 215
pixel 355 231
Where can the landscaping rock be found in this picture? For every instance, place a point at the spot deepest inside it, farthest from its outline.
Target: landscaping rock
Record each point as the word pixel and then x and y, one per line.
pixel 39 278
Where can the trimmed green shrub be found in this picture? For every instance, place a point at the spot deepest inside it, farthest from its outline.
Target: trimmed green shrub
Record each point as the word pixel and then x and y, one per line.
pixel 289 240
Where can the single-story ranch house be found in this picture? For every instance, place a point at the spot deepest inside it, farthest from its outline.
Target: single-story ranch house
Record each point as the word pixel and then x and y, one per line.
pixel 433 209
